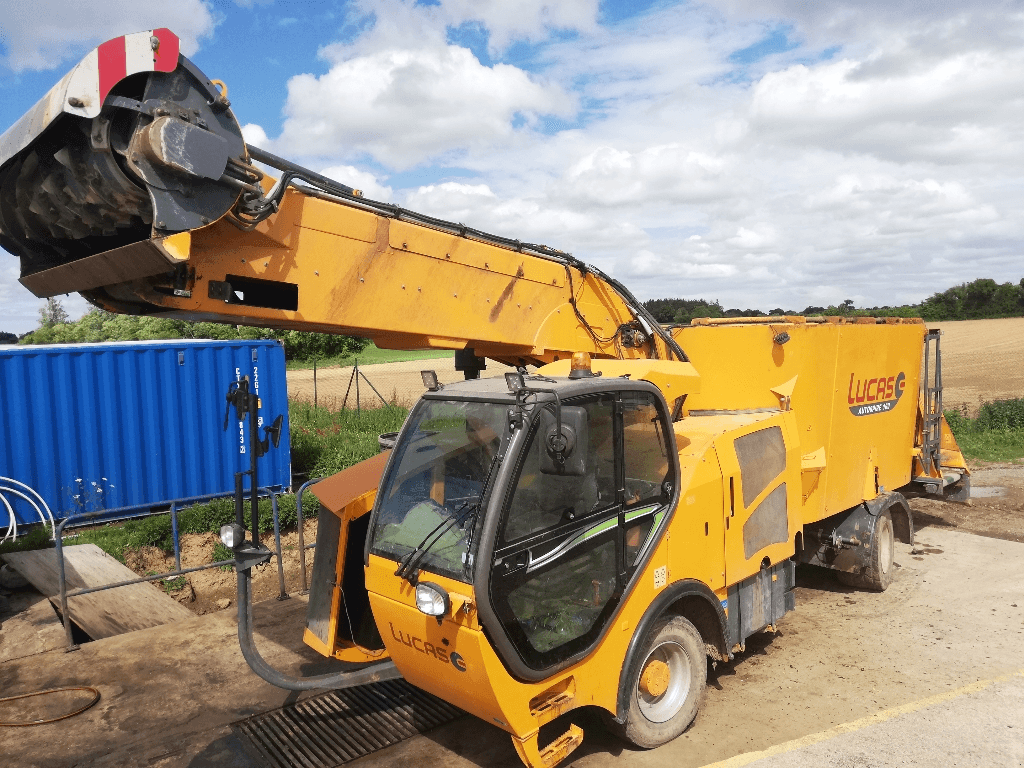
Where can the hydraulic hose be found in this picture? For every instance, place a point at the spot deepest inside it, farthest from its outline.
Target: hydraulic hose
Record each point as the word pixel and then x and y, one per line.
pixel 34 492
pixel 259 665
pixel 13 524
pixel 29 499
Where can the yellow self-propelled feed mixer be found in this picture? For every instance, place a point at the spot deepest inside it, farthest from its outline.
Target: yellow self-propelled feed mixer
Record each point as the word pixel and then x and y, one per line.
pixel 587 530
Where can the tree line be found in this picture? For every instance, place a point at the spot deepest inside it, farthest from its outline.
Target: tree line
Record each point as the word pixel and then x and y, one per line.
pixel 98 325
pixel 980 299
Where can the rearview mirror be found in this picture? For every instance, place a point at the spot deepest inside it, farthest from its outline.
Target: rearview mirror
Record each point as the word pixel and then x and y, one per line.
pixel 567 456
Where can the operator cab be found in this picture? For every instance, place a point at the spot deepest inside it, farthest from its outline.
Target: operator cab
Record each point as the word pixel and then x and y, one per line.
pixel 545 494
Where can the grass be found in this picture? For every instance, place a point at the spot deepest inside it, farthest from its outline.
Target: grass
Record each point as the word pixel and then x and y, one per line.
pixel 220 552
pixel 997 434
pixel 372 355
pixel 325 442
pixel 173 585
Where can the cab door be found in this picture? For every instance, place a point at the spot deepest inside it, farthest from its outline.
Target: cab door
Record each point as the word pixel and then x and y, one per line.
pixel 567 546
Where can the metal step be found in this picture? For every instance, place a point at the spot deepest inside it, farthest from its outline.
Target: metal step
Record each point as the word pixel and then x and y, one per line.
pixel 339 726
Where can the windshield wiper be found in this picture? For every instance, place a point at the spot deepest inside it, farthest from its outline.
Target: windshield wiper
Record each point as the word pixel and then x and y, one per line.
pixel 408 566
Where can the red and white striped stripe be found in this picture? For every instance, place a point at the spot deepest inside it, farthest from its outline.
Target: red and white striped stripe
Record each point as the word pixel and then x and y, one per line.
pixel 82 90
pixel 104 67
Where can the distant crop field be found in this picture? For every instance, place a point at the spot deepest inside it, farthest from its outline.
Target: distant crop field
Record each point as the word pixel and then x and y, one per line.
pixel 982 360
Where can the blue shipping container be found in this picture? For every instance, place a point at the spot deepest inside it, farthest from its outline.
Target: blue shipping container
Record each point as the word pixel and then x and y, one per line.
pixel 125 425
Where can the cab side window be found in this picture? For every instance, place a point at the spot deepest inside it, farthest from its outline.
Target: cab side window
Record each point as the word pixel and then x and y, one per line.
pixel 647 467
pixel 541 501
pixel 645 453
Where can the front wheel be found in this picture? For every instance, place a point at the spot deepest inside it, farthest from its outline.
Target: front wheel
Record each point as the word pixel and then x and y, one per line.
pixel 666 686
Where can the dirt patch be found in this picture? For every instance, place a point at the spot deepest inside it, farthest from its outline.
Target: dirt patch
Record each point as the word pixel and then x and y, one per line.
pixel 996 508
pixel 981 362
pixel 205 591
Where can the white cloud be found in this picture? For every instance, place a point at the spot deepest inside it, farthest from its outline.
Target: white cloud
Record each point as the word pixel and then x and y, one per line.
pixel 530 219
pixel 950 110
pixel 522 20
pixel 254 134
pixel 667 173
pixel 46 34
pixel 404 106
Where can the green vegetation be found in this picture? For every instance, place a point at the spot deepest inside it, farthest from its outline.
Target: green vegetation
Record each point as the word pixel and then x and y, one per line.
pixel 997 434
pixel 173 585
pixel 97 325
pixel 222 553
pixel 371 355
pixel 325 442
pixel 978 300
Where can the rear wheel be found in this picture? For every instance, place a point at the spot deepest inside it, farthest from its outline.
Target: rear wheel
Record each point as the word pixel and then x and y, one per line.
pixel 666 685
pixel 879 573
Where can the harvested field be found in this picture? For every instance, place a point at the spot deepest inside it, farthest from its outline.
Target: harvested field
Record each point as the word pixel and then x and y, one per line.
pixel 398 383
pixel 982 360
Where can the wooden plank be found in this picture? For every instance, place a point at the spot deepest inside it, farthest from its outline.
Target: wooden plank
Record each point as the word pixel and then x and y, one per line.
pixel 100 614
pixel 34 629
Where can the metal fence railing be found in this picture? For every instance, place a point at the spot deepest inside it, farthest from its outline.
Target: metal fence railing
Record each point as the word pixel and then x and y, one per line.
pixel 173 507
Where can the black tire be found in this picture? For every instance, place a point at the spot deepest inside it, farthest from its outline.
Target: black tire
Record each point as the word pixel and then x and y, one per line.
pixel 655 720
pixel 880 571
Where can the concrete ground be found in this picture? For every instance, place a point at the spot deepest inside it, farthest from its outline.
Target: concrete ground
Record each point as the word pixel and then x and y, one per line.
pixel 852 679
pixel 977 725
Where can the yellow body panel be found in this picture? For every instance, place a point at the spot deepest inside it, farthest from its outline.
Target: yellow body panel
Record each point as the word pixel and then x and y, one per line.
pixel 734 513
pixel 485 688
pixel 838 369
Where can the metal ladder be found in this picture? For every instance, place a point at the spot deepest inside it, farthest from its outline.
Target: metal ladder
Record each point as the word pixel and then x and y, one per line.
pixel 931 387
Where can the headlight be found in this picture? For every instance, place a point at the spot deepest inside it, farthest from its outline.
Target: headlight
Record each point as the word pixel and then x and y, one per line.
pixel 431 599
pixel 232 535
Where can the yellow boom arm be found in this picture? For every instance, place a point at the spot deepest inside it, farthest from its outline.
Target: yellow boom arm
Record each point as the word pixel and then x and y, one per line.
pixel 337 266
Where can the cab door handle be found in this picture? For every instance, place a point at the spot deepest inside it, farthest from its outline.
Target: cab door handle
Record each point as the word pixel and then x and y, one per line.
pixel 515 562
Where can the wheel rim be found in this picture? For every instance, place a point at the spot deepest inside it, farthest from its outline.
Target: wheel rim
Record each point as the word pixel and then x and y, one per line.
pixel 660 709
pixel 885 546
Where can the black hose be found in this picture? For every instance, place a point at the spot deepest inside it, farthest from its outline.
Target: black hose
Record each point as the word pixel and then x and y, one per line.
pixel 377 672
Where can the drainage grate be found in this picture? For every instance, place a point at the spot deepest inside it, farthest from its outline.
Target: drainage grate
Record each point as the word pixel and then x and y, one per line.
pixel 335 727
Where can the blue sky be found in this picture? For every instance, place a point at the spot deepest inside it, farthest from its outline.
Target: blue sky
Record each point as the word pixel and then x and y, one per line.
pixel 771 153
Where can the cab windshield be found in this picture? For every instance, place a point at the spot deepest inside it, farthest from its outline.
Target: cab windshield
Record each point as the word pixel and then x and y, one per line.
pixel 435 483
